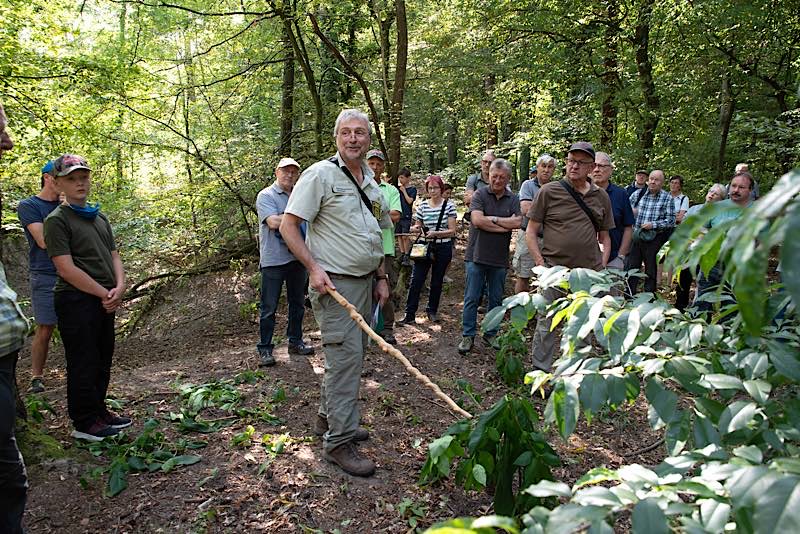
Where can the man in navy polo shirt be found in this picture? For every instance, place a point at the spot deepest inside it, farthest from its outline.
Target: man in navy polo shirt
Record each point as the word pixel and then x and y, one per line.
pixel 622 233
pixel 278 265
pixel 32 212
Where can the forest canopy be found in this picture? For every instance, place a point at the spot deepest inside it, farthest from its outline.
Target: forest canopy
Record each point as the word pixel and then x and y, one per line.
pixel 184 107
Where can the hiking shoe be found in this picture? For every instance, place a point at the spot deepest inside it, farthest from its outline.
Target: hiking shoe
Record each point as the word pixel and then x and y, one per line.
pixel 347 457
pixel 408 319
pixel 447 280
pixel 406 261
pixel 321 426
pixel 37 385
pixel 433 317
pixel 481 309
pixel 98 431
pixel 388 336
pixel 265 358
pixel 116 421
pixel 301 348
pixel 466 344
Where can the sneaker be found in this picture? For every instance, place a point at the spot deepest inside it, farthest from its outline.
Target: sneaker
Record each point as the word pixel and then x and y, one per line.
pixel 301 348
pixel 321 426
pixel 116 421
pixel 98 431
pixel 408 319
pixel 347 457
pixel 265 358
pixel 388 336
pixel 406 261
pixel 447 280
pixel 433 317
pixel 466 344
pixel 37 385
pixel 481 309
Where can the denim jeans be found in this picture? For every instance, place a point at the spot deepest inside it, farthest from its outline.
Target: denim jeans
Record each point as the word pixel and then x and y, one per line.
pixel 272 278
pixel 13 479
pixel 438 259
pixel 478 275
pixel 709 284
pixel 87 332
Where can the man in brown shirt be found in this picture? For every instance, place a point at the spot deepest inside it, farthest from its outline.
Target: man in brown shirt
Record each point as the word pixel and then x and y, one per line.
pixel 571 236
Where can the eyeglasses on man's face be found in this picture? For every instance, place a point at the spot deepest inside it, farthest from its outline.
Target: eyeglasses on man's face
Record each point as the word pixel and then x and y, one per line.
pixel 578 162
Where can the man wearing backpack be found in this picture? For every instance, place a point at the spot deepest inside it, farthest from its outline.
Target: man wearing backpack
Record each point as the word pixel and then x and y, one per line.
pixel 576 216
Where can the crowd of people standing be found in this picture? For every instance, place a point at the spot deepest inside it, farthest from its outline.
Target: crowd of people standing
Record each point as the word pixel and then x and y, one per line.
pixel 343 225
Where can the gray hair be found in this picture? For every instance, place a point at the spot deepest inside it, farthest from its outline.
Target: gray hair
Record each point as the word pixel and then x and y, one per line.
pixel 352 113
pixel 546 159
pixel 502 164
pixel 719 189
pixel 604 155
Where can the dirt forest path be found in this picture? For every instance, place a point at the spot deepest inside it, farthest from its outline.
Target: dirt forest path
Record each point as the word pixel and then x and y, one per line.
pixel 205 329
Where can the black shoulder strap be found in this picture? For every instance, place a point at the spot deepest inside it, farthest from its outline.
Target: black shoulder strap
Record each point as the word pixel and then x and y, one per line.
pixel 441 214
pixel 581 203
pixel 641 194
pixel 364 198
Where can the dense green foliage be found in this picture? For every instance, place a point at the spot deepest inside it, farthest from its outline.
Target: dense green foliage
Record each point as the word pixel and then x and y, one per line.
pixel 183 108
pixel 723 388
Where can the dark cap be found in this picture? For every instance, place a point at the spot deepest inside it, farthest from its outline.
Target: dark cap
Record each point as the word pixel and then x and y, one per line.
pixel 582 146
pixel 375 153
pixel 642 171
pixel 67 163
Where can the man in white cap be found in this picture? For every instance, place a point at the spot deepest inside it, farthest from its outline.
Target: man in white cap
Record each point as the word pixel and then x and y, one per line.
pixel 278 265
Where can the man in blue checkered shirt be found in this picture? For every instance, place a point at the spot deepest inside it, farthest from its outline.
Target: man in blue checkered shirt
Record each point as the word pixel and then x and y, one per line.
pixel 655 218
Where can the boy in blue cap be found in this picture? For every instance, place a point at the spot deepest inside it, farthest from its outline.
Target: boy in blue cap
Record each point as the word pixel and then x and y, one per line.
pixel 32 212
pixel 90 286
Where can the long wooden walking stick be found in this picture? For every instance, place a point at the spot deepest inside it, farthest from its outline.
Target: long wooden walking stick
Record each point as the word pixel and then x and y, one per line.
pixel 385 347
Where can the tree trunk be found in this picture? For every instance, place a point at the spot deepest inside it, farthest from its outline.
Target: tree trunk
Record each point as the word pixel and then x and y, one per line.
pixel 727 107
pixel 398 91
pixel 491 118
pixel 287 99
pixel 610 79
pixel 452 140
pixel 644 66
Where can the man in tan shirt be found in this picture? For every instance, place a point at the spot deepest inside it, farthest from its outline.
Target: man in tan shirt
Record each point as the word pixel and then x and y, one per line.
pixel 343 251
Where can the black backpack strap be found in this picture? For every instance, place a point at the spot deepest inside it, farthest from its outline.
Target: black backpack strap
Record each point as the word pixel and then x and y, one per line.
pixel 346 171
pixel 642 191
pixel 581 203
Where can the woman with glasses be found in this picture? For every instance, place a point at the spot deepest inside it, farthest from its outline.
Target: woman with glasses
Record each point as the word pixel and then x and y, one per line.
pixel 436 217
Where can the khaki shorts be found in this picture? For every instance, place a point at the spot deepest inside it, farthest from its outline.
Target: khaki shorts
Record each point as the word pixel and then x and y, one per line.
pixel 522 262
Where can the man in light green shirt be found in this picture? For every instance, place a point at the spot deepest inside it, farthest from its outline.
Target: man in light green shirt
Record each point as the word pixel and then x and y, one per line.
pixel 377 162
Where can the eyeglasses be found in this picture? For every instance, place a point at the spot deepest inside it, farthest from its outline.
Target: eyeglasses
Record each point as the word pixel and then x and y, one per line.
pixel 601 166
pixel 577 162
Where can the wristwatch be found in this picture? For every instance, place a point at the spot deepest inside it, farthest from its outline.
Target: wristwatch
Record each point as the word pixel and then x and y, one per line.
pixel 494 220
pixel 382 277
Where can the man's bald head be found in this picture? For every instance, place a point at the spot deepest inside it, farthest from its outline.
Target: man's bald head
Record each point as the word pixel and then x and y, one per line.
pixel 655 182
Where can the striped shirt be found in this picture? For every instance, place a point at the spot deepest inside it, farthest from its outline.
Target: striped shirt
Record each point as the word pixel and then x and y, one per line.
pixel 657 209
pixel 429 215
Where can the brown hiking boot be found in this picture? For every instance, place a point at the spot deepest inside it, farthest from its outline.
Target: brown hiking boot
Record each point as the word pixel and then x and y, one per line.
pixel 321 426
pixel 346 456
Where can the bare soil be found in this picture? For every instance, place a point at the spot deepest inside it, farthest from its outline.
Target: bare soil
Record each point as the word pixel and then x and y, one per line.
pixel 204 329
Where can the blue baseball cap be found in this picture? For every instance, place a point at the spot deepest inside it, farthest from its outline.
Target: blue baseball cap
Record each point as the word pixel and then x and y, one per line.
pixel 48 168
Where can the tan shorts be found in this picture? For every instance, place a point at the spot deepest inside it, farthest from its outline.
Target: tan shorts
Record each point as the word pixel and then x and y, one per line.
pixel 522 262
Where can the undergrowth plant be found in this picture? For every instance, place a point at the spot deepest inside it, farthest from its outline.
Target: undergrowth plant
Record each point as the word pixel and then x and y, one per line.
pixel 722 387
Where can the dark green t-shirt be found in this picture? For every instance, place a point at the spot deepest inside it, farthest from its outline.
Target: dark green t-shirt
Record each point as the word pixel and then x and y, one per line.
pixel 89 242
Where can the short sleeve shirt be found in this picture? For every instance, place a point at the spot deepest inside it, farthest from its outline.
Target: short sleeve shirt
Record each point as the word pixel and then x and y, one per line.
pixel 569 235
pixel 475 182
pixel 528 191
pixel 89 242
pixel 680 203
pixel 411 191
pixel 344 236
pixel 730 211
pixel 35 210
pixel 490 248
pixel 392 196
pixel 273 251
pixel 429 215
pixel 13 324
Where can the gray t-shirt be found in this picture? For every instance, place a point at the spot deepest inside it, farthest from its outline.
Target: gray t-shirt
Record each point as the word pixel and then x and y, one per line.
pixel 490 248
pixel 273 251
pixel 528 191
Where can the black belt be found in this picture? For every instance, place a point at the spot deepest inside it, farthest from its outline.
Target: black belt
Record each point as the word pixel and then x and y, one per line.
pixel 349 276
